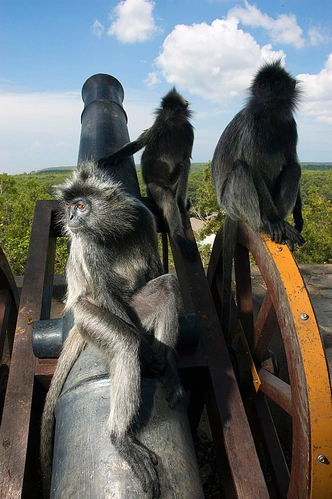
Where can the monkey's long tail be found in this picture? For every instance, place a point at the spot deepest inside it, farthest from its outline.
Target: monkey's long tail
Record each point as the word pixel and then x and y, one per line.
pixel 72 348
pixel 230 229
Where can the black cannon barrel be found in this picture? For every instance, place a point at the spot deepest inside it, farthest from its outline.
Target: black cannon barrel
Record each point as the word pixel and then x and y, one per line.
pixel 104 127
pixel 85 464
pixel 48 336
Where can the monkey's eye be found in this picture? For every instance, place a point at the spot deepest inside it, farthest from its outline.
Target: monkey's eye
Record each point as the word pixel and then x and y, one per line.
pixel 276 83
pixel 80 206
pixel 68 205
pixel 262 85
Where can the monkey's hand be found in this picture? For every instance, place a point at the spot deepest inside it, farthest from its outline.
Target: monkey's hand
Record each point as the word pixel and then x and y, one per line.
pixel 153 359
pixel 141 460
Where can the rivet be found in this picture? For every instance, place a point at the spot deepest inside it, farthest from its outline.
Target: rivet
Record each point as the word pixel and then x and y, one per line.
pixel 304 316
pixel 279 248
pixel 322 459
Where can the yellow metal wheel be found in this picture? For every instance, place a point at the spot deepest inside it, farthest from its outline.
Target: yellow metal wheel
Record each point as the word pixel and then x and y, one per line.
pixel 305 392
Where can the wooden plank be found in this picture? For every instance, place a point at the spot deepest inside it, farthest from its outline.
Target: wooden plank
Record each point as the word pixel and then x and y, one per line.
pixel 276 389
pixel 264 328
pixel 7 282
pixel 14 429
pixel 44 371
pixel 5 303
pixel 244 292
pixel 272 445
pixel 248 479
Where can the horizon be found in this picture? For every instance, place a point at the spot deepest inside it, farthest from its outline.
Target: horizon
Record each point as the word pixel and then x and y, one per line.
pixel 138 165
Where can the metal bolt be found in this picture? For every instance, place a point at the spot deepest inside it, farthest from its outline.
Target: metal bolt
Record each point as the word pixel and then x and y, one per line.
pixel 304 316
pixel 322 459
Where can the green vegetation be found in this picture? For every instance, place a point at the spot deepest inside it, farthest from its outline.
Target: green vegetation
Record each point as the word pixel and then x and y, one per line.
pixel 18 196
pixel 316 166
pixel 316 188
pixel 19 193
pixel 317 214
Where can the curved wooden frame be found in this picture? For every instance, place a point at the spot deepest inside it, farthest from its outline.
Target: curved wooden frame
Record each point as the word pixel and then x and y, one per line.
pixel 307 398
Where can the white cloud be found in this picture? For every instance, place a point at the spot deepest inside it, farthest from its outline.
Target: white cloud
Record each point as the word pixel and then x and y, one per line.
pixel 134 21
pixel 284 29
pixel 317 36
pixel 152 79
pixel 217 62
pixel 97 28
pixel 214 61
pixel 39 130
pixel 317 98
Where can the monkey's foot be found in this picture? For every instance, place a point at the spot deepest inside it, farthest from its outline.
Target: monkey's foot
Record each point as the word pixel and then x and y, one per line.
pixel 290 245
pixel 187 247
pixel 142 461
pixel 280 232
pixel 275 231
pixel 293 234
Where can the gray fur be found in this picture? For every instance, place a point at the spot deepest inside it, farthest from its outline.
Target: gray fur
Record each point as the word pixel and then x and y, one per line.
pixel 114 290
pixel 166 163
pixel 255 169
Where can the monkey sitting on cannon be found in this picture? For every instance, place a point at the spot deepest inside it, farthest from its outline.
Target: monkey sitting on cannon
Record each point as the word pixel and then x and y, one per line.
pixel 122 304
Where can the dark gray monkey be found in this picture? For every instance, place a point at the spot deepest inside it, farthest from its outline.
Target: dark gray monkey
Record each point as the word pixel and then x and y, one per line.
pixel 255 169
pixel 166 163
pixel 121 303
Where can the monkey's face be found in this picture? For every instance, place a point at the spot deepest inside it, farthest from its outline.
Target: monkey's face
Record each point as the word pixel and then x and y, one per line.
pixel 77 213
pixel 274 87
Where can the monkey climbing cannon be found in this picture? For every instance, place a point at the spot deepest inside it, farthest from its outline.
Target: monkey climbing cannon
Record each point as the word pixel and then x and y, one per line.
pixel 280 363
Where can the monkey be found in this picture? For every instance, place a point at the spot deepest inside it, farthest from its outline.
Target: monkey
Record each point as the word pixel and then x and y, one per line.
pixel 255 169
pixel 165 165
pixel 121 303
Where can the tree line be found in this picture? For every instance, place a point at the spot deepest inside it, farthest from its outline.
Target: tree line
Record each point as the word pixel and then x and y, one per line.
pixel 19 193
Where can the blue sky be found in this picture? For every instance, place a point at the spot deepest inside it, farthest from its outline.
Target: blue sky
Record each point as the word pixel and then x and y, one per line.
pixel 210 49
